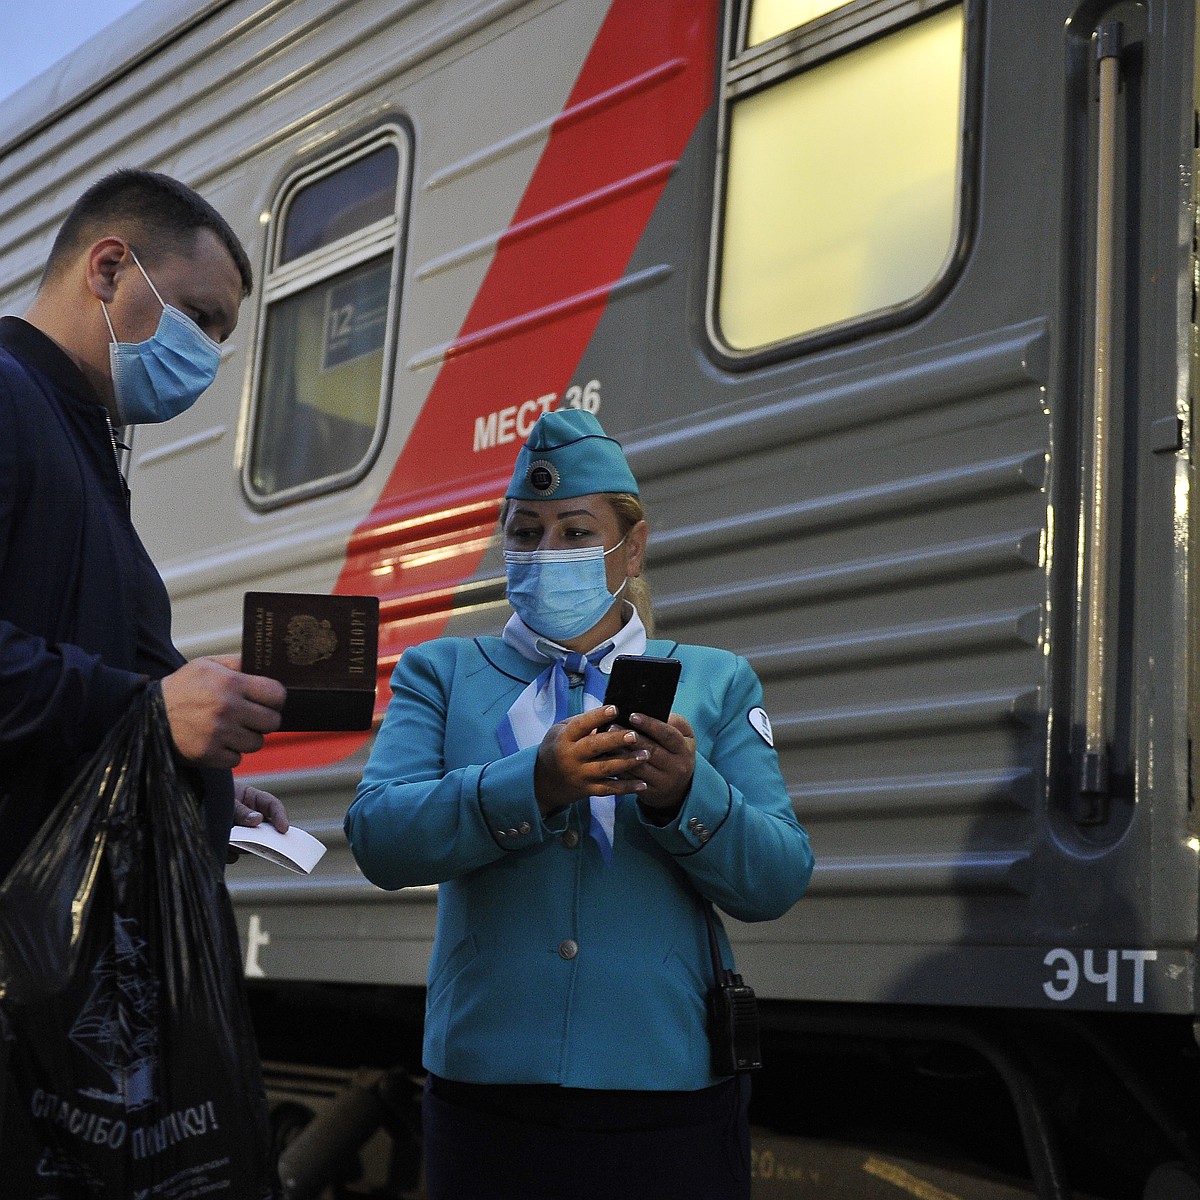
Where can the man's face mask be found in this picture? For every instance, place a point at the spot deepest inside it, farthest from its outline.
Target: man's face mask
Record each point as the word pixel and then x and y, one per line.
pixel 163 376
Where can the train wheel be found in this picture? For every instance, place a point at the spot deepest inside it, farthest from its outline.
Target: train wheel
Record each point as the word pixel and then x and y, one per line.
pixel 1172 1181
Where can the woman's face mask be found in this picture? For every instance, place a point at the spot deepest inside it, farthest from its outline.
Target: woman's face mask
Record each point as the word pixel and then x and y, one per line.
pixel 163 376
pixel 560 593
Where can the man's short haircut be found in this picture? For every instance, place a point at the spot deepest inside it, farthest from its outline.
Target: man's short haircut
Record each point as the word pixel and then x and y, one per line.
pixel 158 215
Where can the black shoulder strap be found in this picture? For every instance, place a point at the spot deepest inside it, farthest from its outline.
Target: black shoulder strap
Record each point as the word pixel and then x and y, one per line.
pixel 720 975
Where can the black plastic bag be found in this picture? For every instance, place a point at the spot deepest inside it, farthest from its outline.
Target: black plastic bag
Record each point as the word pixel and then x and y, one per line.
pixel 132 1068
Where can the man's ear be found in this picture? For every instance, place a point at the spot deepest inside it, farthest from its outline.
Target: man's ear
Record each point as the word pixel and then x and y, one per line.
pixel 104 264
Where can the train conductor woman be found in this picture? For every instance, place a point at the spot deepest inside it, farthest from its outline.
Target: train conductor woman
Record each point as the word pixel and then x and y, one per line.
pixel 565 1033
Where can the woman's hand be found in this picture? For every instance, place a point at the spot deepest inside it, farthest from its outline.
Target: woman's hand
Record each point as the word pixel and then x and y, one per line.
pixel 576 759
pixel 669 763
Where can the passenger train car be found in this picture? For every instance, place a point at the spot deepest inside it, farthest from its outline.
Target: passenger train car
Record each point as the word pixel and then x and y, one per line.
pixel 892 305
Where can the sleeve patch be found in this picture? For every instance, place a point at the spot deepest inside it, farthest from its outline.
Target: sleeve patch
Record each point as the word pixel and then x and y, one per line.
pixel 762 725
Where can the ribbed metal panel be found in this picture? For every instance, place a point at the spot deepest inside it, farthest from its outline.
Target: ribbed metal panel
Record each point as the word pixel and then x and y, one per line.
pixel 886 527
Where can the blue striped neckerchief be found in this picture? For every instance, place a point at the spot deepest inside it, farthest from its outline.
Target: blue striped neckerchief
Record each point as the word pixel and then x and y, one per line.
pixel 546 701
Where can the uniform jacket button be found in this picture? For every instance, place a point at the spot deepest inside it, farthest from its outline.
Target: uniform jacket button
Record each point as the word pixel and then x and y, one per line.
pixel 524 828
pixel 570 839
pixel 568 949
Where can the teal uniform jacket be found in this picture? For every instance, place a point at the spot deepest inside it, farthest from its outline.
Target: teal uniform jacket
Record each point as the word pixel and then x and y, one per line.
pixel 549 967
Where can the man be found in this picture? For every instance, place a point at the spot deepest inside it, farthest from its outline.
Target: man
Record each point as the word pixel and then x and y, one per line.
pixel 143 282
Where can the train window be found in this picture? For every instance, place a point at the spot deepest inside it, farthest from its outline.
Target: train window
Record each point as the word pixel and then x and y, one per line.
pixel 360 193
pixel 769 18
pixel 322 367
pixel 842 181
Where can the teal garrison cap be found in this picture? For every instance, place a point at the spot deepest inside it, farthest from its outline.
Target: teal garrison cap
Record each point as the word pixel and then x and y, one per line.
pixel 569 454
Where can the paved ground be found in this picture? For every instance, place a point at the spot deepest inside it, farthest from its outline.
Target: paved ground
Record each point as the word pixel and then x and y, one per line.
pixel 798 1169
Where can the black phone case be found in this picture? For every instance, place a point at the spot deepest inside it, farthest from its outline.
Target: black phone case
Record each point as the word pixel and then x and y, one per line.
pixel 642 683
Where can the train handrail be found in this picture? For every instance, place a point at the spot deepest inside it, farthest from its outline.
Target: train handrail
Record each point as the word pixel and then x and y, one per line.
pixel 1093 776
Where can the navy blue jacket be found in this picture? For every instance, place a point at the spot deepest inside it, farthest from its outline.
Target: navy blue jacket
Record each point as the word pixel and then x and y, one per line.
pixel 85 620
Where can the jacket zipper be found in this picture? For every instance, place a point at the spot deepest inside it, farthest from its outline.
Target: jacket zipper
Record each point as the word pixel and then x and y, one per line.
pixel 117 447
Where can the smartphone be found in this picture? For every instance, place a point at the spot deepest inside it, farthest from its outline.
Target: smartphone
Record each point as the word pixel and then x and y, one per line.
pixel 644 684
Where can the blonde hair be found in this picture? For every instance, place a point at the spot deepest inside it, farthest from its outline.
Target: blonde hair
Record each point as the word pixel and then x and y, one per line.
pixel 628 510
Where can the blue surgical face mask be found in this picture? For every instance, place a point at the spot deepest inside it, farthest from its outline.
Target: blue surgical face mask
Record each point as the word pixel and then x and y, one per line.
pixel 163 376
pixel 560 593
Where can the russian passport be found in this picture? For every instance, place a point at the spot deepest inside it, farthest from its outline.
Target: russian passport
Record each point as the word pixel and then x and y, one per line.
pixel 323 649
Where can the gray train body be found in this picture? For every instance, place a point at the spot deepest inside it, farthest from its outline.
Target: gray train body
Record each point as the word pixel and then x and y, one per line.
pixel 974 619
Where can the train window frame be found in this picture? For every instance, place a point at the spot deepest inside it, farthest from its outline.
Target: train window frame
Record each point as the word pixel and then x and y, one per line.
pixel 746 70
pixel 282 280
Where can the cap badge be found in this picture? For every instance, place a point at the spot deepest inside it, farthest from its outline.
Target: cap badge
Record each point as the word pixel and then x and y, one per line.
pixel 543 477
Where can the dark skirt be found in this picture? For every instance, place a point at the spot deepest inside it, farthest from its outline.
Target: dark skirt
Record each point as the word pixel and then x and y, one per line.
pixel 550 1143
